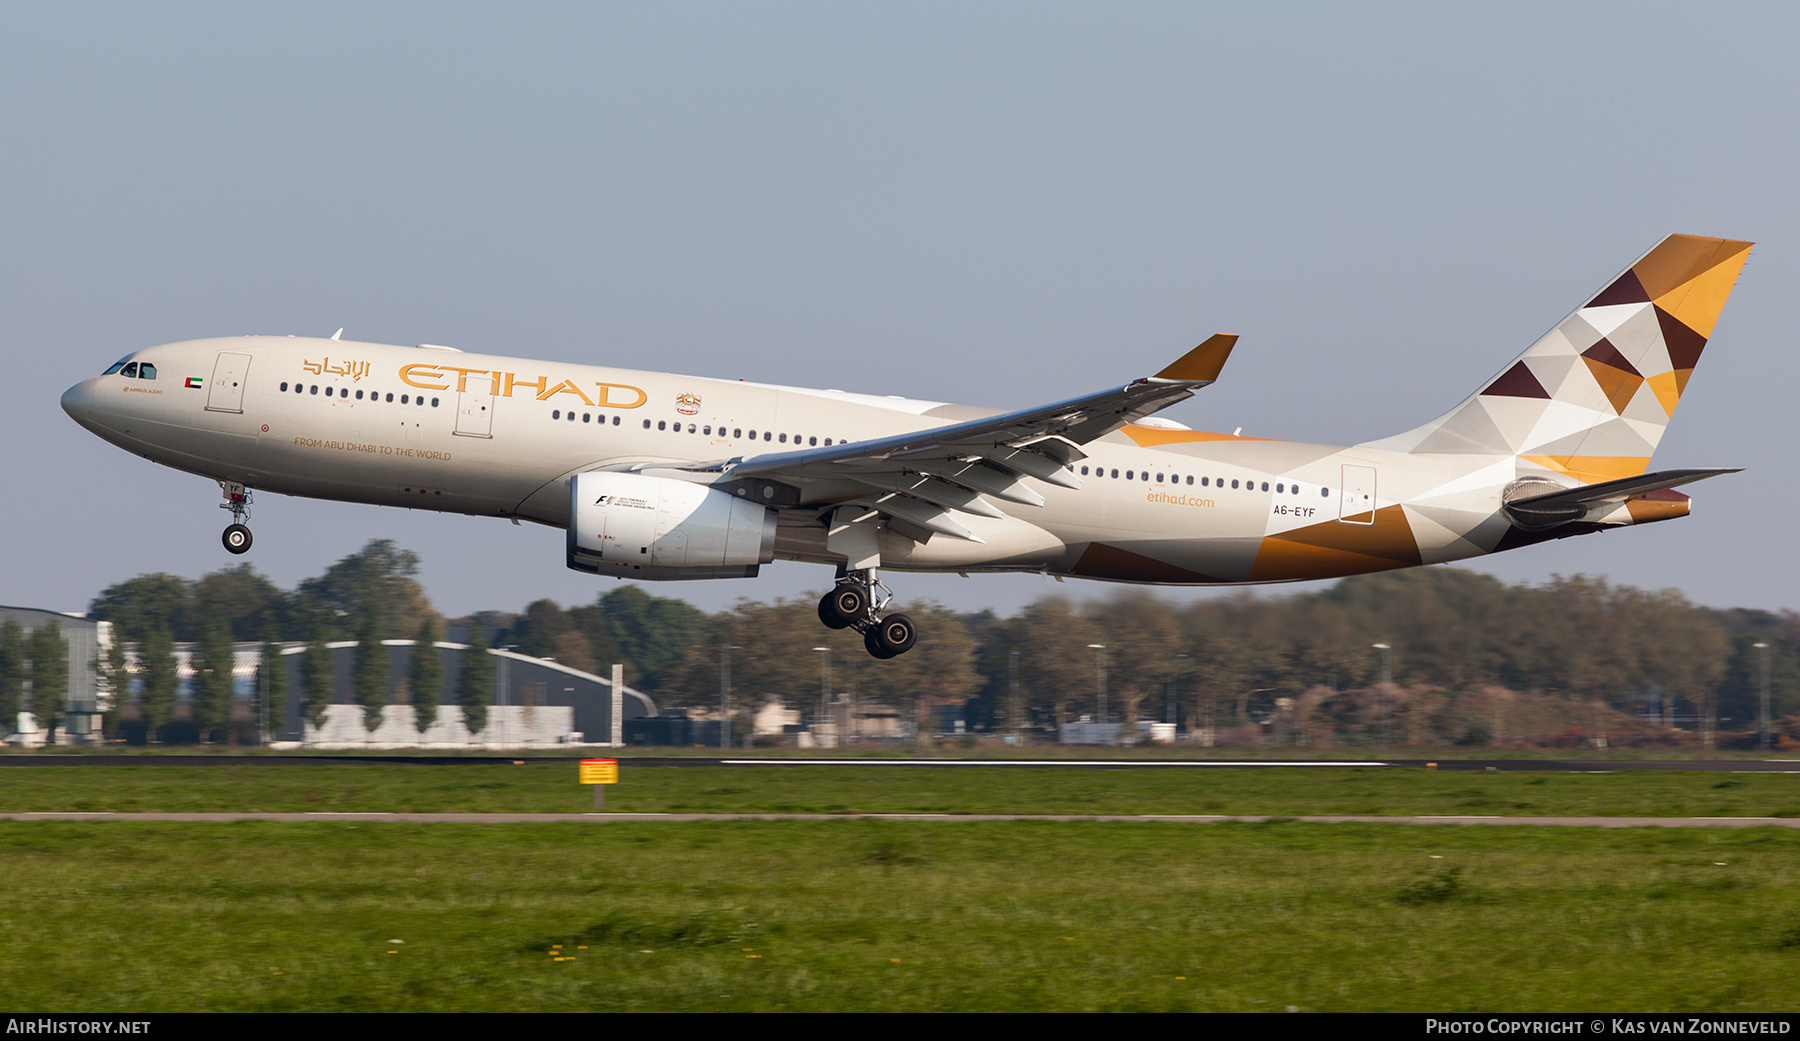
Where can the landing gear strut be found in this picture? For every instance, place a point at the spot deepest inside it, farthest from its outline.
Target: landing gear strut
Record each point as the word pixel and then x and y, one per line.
pixel 856 603
pixel 237 499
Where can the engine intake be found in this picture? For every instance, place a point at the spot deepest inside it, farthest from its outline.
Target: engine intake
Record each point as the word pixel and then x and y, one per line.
pixel 633 526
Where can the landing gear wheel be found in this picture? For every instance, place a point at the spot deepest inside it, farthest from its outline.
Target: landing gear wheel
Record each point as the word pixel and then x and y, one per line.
pixel 891 637
pixel 843 607
pixel 236 539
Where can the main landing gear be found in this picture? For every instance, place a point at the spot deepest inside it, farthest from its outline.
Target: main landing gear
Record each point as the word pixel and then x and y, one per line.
pixel 856 603
pixel 237 499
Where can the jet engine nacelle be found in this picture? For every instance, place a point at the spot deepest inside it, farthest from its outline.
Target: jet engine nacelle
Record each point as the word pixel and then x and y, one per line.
pixel 633 526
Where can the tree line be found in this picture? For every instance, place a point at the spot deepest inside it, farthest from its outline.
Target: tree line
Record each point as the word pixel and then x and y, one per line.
pixel 1228 661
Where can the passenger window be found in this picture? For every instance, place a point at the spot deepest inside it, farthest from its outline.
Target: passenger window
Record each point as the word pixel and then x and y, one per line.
pixel 1234 483
pixel 1280 488
pixel 1115 474
pixel 390 398
pixel 434 404
pixel 1159 478
pixel 784 439
pixel 404 399
pixel 284 388
pixel 585 417
pixel 315 389
pixel 812 441
pixel 661 424
pixel 556 413
pixel 737 431
pixel 1265 486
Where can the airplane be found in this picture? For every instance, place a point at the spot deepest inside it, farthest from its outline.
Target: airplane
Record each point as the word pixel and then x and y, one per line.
pixel 657 476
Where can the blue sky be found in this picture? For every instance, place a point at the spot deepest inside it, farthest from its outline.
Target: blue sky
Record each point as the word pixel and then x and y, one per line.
pixel 991 204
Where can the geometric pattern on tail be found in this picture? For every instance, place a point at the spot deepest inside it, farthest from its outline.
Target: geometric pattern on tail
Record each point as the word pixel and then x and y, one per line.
pixel 1592 397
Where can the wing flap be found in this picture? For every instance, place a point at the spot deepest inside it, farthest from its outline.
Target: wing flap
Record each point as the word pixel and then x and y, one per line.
pixel 933 490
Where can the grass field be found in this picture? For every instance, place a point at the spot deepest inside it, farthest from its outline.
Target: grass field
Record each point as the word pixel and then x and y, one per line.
pixel 876 915
pixel 552 788
pixel 884 915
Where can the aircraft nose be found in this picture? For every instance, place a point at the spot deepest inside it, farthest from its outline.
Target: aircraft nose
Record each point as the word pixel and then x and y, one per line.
pixel 78 402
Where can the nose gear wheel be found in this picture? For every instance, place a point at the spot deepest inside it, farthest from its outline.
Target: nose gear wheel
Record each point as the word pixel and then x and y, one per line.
pixel 237 536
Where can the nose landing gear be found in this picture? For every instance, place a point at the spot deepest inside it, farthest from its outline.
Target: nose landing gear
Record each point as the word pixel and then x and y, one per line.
pixel 856 603
pixel 237 537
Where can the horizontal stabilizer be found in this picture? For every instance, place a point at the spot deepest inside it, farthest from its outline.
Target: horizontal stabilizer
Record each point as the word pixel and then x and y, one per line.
pixel 1576 503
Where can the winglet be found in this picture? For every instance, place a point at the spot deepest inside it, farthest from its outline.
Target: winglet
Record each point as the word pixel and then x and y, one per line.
pixel 1202 364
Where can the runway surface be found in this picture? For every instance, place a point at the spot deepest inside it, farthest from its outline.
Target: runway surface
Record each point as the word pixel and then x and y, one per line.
pixel 922 818
pixel 1554 765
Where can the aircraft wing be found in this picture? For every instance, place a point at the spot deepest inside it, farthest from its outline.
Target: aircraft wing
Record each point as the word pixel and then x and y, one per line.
pixel 922 476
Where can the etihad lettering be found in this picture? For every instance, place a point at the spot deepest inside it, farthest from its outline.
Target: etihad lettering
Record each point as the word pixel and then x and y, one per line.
pixel 426 372
pixel 462 377
pixel 437 377
pixel 606 400
pixel 565 387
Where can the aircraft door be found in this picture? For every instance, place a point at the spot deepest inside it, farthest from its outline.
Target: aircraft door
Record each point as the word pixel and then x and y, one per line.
pixel 226 391
pixel 475 412
pixel 1356 500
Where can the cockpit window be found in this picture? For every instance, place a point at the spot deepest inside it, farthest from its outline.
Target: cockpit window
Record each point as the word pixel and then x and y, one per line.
pixel 130 371
pixel 116 366
pixel 146 371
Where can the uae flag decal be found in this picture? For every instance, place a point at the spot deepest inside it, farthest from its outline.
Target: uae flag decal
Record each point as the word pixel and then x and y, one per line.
pixel 193 382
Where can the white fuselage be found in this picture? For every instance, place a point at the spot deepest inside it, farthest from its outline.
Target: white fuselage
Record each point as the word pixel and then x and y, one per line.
pixel 496 436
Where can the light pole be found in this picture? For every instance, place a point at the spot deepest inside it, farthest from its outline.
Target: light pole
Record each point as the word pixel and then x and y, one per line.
pixel 1762 727
pixel 1099 680
pixel 1012 697
pixel 725 650
pixel 1387 679
pixel 1170 701
pixel 824 690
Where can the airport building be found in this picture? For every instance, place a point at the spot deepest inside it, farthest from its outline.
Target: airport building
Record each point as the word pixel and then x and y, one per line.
pixel 535 702
pixel 88 641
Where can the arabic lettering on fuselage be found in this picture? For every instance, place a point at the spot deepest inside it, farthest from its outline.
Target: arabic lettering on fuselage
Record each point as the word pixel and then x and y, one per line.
pixel 356 370
pixel 503 384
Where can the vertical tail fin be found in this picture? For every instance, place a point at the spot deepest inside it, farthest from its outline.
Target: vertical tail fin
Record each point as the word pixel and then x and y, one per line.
pixel 1591 398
